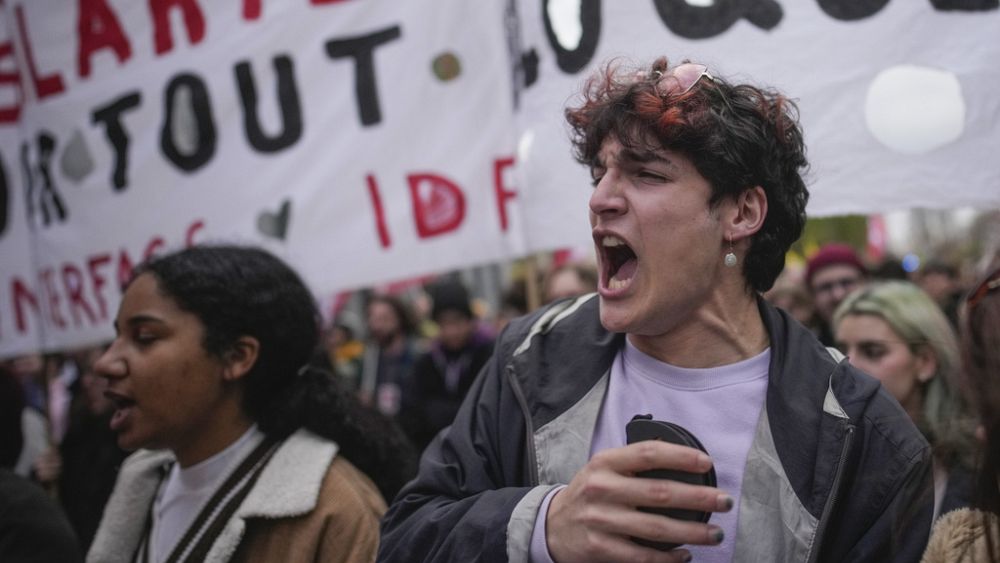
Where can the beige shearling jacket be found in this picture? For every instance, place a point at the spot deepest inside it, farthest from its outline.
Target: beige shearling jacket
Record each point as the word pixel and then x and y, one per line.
pixel 308 505
pixel 960 537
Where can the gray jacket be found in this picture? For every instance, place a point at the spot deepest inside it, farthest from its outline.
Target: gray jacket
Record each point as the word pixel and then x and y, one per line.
pixel 836 471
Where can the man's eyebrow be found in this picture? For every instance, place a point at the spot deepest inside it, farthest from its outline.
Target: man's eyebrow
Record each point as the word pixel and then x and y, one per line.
pixel 644 156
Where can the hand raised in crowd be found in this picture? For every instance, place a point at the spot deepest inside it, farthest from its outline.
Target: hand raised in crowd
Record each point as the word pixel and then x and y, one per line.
pixel 595 517
pixel 48 466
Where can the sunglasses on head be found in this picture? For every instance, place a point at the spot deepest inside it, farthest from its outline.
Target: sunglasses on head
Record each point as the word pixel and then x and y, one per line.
pixel 991 283
pixel 681 79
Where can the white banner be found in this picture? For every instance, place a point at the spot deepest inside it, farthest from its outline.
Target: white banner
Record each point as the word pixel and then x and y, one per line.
pixel 368 140
pixel 362 141
pixel 899 100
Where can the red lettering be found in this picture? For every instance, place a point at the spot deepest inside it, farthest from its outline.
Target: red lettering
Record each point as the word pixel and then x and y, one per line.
pixel 45 86
pixel 125 268
pixel 194 20
pixel 23 295
pixel 98 28
pixel 251 9
pixel 98 280
pixel 73 282
pixel 503 194
pixel 156 243
pixel 11 113
pixel 383 229
pixel 194 228
pixel 53 298
pixel 438 204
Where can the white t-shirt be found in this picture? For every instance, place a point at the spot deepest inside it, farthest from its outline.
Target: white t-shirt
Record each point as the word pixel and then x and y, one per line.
pixel 720 406
pixel 185 491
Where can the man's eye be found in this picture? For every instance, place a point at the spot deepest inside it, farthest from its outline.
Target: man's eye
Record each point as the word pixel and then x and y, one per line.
pixel 596 174
pixel 650 175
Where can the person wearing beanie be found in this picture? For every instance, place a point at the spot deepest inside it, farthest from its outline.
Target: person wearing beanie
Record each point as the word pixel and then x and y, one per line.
pixel 831 274
pixel 443 375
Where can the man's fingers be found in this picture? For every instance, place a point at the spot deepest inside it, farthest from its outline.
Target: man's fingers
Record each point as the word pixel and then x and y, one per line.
pixel 653 454
pixel 653 527
pixel 604 486
pixel 651 492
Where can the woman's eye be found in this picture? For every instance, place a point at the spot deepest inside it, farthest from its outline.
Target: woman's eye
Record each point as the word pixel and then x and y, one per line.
pixel 872 352
pixel 144 337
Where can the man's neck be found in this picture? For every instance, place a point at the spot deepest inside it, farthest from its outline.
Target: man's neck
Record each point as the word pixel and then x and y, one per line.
pixel 713 336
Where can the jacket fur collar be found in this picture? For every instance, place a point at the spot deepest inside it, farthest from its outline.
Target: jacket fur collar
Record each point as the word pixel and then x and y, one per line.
pixel 288 487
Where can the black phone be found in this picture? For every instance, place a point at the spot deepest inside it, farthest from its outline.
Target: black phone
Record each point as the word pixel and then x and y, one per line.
pixel 643 427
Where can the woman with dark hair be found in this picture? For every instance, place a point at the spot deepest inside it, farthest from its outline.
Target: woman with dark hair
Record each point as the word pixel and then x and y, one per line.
pixel 261 457
pixel 973 535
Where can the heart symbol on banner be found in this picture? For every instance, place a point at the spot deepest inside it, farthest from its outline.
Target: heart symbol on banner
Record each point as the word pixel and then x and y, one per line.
pixel 275 224
pixel 76 161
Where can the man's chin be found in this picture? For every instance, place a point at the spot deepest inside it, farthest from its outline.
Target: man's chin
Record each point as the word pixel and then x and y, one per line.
pixel 613 317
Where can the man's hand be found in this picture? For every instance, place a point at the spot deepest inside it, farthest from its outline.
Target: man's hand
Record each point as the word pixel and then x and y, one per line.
pixel 594 517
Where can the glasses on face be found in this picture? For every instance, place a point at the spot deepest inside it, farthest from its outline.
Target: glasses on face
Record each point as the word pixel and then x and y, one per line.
pixel 681 79
pixel 991 283
pixel 846 284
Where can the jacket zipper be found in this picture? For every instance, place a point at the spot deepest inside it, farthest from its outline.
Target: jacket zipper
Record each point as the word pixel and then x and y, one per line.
pixel 834 494
pixel 529 429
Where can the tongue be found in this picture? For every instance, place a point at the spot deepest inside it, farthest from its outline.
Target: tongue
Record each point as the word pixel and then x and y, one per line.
pixel 118 418
pixel 626 270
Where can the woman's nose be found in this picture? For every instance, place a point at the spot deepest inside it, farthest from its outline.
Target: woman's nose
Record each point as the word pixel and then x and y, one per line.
pixel 109 364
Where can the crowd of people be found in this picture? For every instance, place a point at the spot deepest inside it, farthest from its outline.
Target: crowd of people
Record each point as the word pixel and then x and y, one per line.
pixel 829 413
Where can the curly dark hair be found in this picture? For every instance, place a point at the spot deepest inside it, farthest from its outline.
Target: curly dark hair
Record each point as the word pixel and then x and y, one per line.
pixel 738 136
pixel 240 291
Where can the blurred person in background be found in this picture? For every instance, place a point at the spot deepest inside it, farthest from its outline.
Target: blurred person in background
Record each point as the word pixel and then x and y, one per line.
pixel 245 451
pixel 794 299
pixel 28 370
pixel 444 374
pixel 88 456
pixel 571 279
pixel 895 332
pixel 973 535
pixel 889 268
pixel 831 275
pixel 391 351
pixel 513 304
pixel 33 529
pixel 342 351
pixel 941 281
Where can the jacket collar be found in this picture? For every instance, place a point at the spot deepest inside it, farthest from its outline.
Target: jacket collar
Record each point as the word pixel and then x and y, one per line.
pixel 289 486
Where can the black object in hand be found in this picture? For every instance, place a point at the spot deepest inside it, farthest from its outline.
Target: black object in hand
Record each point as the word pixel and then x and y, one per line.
pixel 643 427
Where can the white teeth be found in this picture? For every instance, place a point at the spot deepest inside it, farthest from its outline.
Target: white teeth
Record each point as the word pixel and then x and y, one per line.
pixel 615 283
pixel 612 241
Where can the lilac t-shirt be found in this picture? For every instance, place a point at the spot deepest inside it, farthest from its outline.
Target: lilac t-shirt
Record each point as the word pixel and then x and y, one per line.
pixel 720 406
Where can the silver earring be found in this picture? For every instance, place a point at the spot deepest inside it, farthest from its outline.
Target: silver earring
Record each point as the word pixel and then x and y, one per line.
pixel 730 258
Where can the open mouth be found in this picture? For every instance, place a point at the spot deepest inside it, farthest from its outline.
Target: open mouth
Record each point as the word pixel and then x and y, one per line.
pixel 123 409
pixel 618 261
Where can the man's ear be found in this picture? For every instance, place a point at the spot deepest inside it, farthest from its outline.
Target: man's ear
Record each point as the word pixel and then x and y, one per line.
pixel 750 210
pixel 240 358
